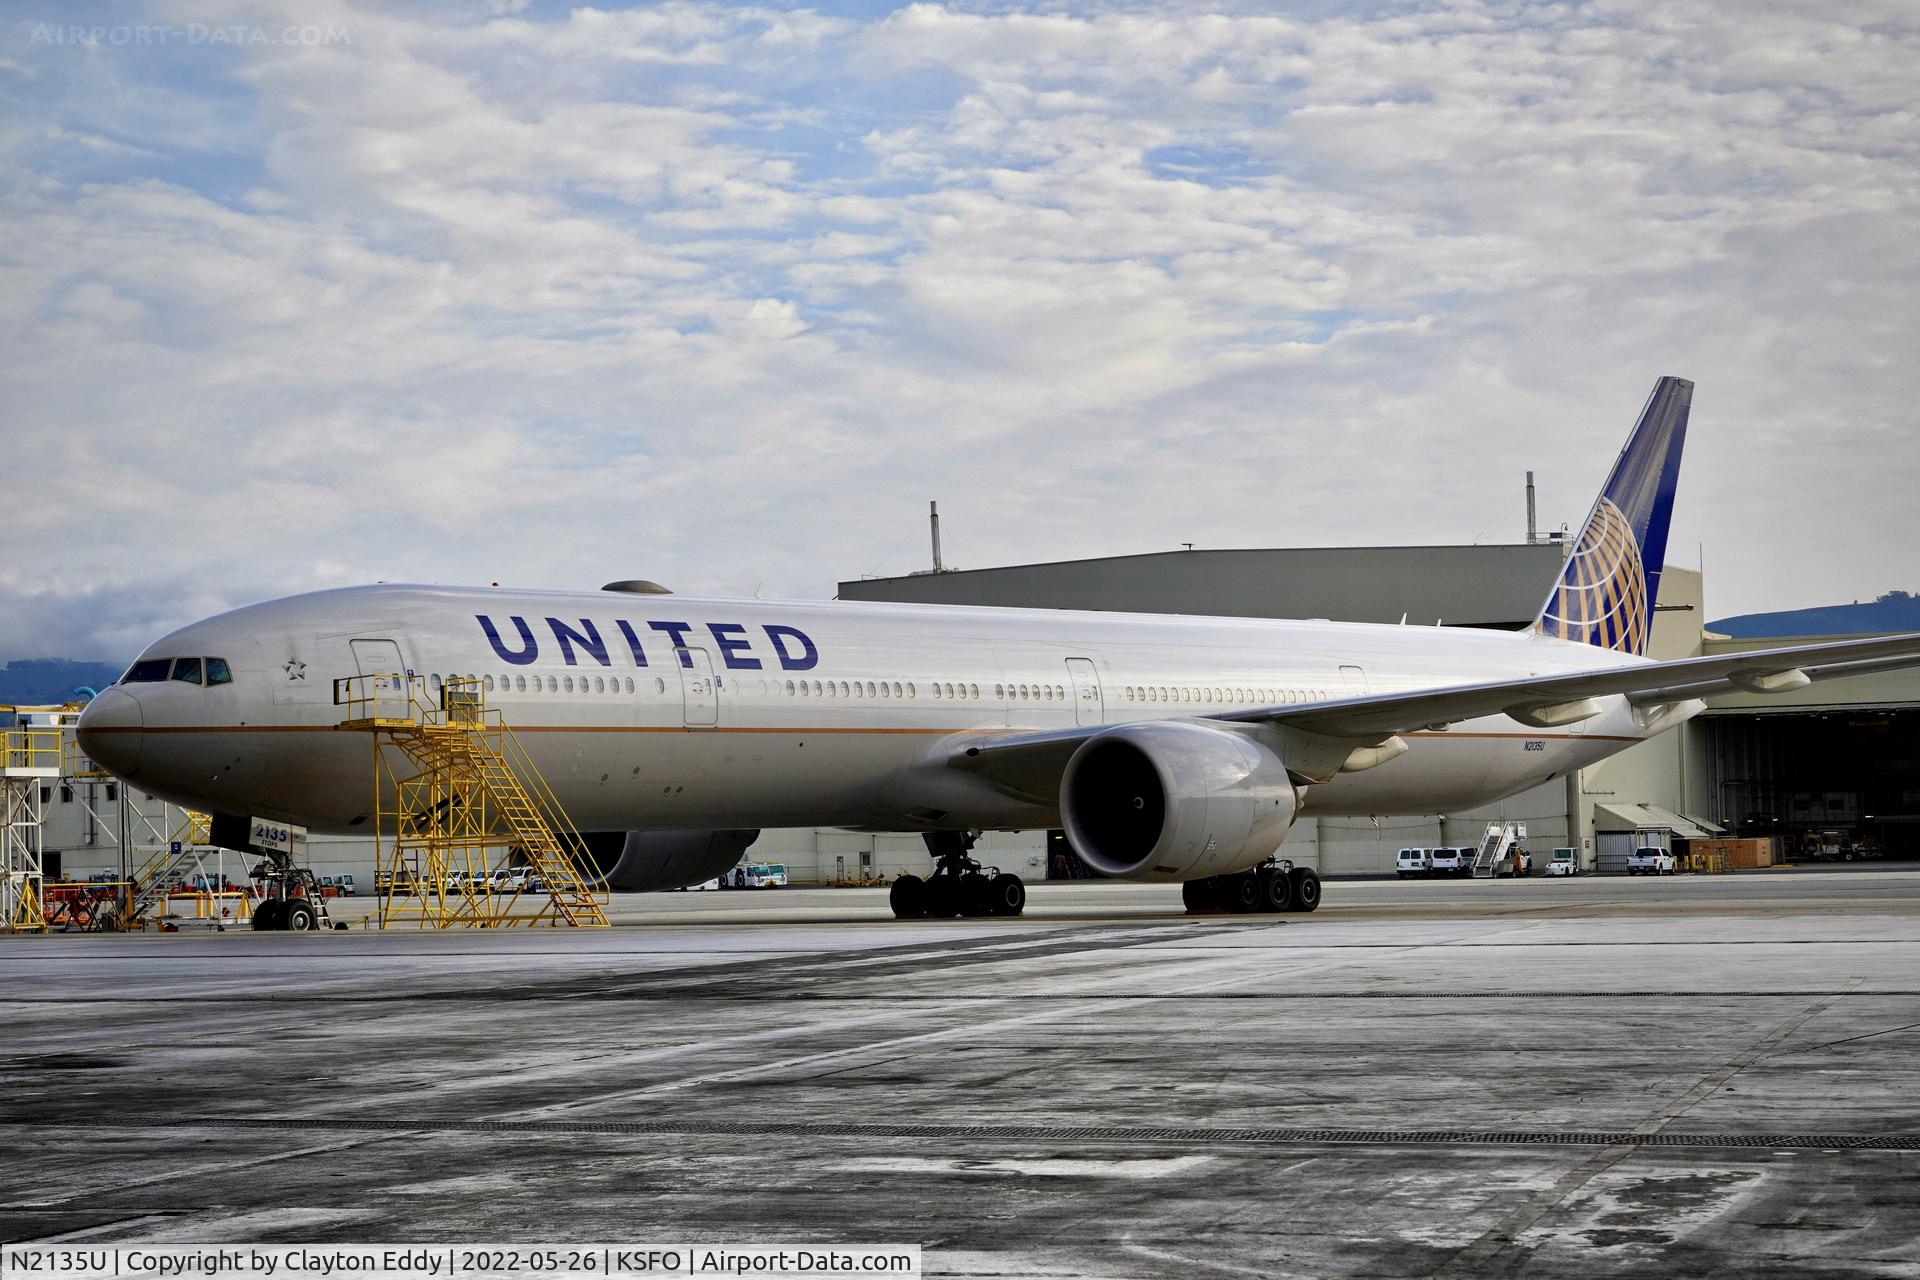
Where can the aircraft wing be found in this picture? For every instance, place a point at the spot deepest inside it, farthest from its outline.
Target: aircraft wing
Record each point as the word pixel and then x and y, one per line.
pixel 1545 701
pixel 1031 762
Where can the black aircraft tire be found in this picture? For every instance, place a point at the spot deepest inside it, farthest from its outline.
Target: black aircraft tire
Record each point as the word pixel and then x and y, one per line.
pixel 1306 889
pixel 1242 892
pixel 301 917
pixel 1276 890
pixel 1008 894
pixel 908 897
pixel 269 915
pixel 976 895
pixel 1199 896
pixel 943 897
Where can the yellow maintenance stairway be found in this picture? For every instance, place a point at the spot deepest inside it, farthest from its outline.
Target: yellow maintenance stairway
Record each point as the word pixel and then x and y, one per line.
pixel 29 762
pixel 469 833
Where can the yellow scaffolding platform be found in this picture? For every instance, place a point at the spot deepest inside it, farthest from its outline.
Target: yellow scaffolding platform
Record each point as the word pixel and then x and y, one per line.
pixel 469 833
pixel 29 760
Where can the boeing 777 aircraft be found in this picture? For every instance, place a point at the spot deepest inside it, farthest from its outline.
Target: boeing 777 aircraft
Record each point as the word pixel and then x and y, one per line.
pixel 673 728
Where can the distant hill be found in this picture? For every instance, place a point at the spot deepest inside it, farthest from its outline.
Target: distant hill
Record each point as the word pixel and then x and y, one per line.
pixel 1894 611
pixel 33 681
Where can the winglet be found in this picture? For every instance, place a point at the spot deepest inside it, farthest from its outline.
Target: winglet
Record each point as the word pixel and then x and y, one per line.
pixel 1606 592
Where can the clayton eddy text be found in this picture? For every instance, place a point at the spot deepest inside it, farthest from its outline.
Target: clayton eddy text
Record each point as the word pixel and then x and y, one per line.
pixel 219 1262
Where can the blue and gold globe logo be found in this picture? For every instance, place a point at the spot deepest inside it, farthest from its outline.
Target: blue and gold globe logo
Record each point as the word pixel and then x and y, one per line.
pixel 1602 596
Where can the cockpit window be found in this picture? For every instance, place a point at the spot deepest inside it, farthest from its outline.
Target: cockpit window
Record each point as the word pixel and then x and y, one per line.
pixel 147 671
pixel 187 669
pixel 217 672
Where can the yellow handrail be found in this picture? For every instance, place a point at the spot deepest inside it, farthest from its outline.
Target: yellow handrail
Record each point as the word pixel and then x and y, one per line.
pixel 32 747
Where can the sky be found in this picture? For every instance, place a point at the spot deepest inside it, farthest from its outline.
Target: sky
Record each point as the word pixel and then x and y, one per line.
pixel 303 295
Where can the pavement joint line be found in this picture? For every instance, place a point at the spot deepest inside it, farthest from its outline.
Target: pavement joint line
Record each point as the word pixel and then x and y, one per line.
pixel 1192 1135
pixel 1707 1087
pixel 1865 1035
pixel 621 995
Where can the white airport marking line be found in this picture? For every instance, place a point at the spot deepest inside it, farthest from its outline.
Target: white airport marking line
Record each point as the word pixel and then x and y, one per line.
pixel 204 1169
pixel 504 1074
pixel 601 1100
pixel 1122 1167
pixel 1188 1265
pixel 87 1233
pixel 969 1030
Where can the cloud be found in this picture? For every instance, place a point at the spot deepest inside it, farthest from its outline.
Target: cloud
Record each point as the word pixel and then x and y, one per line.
pixel 719 295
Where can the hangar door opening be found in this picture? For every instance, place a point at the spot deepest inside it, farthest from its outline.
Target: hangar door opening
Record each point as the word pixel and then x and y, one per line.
pixel 1810 779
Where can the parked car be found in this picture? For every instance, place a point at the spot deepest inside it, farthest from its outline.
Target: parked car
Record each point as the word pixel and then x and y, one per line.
pixel 1451 861
pixel 1835 846
pixel 1413 862
pixel 1563 863
pixel 766 875
pixel 1650 861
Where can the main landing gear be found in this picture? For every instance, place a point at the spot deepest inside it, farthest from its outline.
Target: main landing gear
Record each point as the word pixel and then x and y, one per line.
pixel 1274 885
pixel 959 886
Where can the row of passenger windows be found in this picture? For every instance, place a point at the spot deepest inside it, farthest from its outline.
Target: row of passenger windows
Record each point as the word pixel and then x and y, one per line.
pixel 185 670
pixel 1204 694
pixel 557 684
pixel 791 688
pixel 603 685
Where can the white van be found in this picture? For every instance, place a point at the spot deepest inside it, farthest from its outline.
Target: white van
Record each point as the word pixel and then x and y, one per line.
pixel 1413 862
pixel 1451 862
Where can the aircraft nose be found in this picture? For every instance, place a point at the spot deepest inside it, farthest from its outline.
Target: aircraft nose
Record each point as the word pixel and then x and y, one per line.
pixel 109 731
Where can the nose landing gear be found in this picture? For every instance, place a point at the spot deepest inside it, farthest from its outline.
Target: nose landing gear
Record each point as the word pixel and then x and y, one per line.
pixel 959 885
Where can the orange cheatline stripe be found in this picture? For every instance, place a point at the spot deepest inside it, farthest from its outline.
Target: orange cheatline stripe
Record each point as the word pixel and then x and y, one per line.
pixel 570 728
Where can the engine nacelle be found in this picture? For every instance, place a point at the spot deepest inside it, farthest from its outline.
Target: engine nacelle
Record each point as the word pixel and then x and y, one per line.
pixel 637 861
pixel 1175 800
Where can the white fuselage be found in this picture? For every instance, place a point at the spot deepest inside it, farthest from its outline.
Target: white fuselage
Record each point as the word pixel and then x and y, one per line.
pixel 657 712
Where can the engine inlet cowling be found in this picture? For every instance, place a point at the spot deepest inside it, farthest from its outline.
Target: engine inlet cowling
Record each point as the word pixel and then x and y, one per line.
pixel 1175 800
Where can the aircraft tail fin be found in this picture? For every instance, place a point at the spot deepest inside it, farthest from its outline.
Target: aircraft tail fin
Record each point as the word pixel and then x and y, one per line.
pixel 1606 592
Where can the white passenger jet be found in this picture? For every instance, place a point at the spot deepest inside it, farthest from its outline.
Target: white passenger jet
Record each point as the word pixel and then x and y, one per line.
pixel 673 728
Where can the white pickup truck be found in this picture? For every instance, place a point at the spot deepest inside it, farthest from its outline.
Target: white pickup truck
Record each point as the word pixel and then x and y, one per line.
pixel 1650 861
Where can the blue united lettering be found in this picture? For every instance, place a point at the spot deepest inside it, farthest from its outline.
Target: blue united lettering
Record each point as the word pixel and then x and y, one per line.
pixel 793 648
pixel 527 653
pixel 587 638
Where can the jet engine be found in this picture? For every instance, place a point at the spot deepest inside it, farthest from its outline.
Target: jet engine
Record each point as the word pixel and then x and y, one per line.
pixel 1174 800
pixel 637 861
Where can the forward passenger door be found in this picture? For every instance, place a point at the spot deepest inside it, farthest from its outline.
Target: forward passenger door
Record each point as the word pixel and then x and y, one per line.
pixel 700 693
